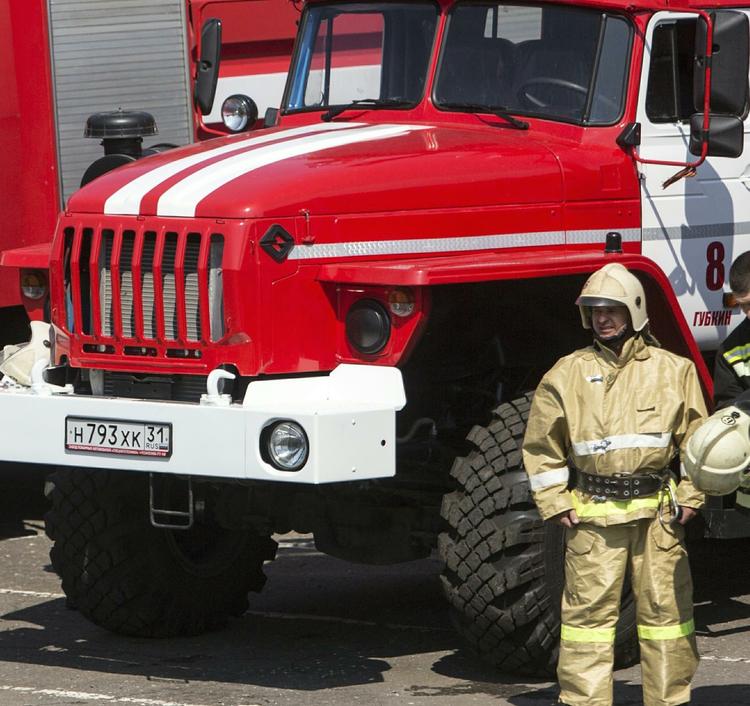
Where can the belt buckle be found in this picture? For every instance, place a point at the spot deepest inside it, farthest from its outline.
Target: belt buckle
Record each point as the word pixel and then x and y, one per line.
pixel 599 498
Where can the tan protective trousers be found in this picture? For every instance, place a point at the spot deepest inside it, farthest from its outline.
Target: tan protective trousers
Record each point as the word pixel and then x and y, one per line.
pixel 596 562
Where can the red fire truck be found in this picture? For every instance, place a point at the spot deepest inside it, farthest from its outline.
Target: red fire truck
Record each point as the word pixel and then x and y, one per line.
pixel 66 60
pixel 334 324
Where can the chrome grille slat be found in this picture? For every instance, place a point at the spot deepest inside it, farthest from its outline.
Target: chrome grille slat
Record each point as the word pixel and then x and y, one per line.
pixel 216 286
pixel 192 287
pixel 127 307
pixel 105 283
pixel 147 285
pixel 169 287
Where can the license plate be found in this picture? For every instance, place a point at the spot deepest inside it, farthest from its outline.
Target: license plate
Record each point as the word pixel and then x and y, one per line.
pixel 118 436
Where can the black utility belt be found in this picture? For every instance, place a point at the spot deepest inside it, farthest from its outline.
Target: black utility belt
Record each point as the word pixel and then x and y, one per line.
pixel 621 486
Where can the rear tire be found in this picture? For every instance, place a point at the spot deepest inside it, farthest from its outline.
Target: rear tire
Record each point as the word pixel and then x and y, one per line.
pixel 133 579
pixel 504 567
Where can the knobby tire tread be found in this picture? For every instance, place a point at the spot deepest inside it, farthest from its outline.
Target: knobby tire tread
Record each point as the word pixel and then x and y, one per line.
pixel 123 574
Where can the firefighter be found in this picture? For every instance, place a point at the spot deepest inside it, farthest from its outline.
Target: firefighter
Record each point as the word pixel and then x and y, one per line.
pixel 605 423
pixel 732 364
pixel 732 378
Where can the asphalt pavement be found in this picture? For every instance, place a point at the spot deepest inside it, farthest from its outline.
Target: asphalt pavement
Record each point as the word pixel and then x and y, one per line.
pixel 322 632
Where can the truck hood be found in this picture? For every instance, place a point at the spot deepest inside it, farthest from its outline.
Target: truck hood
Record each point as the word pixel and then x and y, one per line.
pixel 332 168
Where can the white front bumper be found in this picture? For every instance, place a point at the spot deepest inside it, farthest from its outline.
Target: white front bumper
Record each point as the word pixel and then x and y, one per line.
pixel 348 416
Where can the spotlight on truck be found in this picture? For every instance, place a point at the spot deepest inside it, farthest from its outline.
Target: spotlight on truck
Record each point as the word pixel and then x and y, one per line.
pixel 239 113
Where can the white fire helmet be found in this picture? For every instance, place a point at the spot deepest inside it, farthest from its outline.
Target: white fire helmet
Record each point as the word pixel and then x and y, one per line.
pixel 718 452
pixel 613 285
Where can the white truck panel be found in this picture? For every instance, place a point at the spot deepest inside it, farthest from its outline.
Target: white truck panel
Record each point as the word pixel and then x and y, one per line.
pixel 694 228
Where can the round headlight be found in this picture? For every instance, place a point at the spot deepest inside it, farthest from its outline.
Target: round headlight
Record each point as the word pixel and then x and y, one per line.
pixel 368 326
pixel 33 284
pixel 239 113
pixel 286 446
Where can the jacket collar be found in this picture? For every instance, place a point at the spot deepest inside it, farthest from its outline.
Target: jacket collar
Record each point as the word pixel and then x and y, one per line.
pixel 635 348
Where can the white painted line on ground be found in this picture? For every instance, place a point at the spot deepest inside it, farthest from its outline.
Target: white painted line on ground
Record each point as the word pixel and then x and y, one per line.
pixel 712 658
pixel 33 594
pixel 114 660
pixel 22 537
pixel 87 696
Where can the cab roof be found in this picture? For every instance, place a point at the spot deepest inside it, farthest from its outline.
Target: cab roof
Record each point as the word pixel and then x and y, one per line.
pixel 622 5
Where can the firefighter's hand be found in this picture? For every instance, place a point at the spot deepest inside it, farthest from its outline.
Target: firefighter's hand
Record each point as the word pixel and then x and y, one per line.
pixel 568 519
pixel 686 515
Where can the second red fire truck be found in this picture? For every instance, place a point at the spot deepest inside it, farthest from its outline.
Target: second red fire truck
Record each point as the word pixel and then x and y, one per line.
pixel 65 60
pixel 333 325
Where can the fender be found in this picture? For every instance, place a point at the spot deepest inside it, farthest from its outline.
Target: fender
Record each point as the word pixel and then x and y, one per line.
pixel 665 313
pixel 31 259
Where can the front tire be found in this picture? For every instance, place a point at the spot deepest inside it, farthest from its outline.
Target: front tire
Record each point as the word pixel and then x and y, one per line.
pixel 504 567
pixel 133 579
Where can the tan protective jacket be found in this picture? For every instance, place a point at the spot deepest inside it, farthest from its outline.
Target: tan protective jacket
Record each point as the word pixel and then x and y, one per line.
pixel 608 415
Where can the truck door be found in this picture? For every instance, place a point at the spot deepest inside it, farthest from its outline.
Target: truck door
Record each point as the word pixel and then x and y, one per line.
pixel 694 228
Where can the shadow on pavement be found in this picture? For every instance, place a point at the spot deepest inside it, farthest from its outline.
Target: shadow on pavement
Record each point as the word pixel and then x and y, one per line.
pixel 721 573
pixel 21 498
pixel 323 623
pixel 480 678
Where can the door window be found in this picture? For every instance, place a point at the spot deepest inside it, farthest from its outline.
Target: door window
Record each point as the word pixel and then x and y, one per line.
pixel 669 96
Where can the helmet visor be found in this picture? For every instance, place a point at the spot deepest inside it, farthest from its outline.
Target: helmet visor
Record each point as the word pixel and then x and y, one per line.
pixel 585 300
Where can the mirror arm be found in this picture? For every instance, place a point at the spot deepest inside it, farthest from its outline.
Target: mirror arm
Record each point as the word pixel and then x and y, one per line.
pixel 689 166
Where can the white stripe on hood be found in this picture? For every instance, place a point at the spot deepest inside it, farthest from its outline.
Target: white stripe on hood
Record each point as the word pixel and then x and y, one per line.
pixel 183 198
pixel 127 199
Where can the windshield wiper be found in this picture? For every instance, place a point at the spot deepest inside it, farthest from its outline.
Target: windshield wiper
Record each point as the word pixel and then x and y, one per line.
pixel 496 110
pixel 335 110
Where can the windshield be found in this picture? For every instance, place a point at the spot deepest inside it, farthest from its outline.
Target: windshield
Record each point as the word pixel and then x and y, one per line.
pixel 375 52
pixel 551 61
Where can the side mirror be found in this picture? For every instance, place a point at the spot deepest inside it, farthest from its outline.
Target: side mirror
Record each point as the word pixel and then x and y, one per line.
pixel 208 66
pixel 729 63
pixel 725 135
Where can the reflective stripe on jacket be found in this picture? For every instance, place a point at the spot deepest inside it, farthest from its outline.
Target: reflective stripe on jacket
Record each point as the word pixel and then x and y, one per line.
pixel 611 415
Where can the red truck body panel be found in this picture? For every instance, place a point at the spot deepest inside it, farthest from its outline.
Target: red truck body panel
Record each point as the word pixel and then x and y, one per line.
pixel 28 178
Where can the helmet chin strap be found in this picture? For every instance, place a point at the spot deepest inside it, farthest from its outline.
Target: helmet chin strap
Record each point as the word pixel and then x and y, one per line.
pixel 622 335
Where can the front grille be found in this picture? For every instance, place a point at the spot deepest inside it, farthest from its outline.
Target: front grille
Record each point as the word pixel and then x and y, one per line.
pixel 144 285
